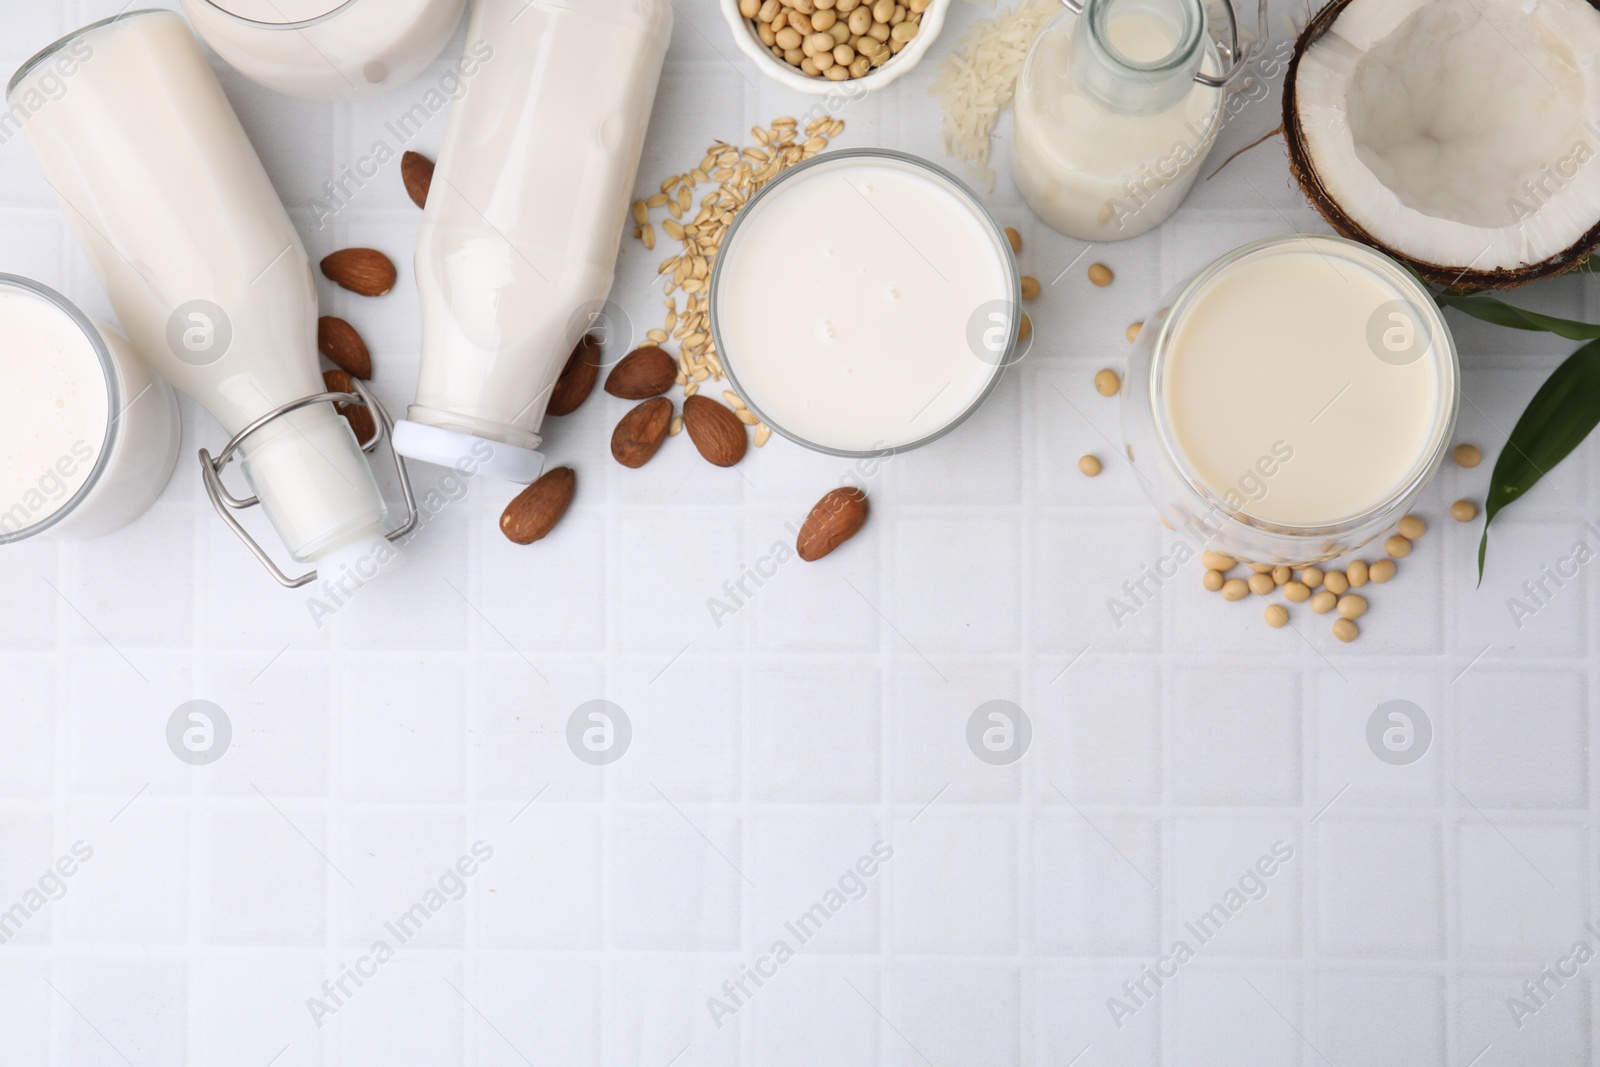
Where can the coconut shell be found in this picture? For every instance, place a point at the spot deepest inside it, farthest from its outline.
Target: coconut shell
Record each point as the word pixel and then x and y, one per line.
pixel 1302 166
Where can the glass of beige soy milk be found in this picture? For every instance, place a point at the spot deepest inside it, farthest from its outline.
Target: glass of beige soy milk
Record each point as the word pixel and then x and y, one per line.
pixel 327 49
pixel 1289 402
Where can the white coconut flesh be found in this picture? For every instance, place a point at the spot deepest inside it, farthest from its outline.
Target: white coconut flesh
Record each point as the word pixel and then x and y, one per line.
pixel 1459 133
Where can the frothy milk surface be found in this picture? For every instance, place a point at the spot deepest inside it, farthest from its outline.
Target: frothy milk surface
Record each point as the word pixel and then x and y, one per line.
pixel 1276 355
pixel 846 300
pixel 53 405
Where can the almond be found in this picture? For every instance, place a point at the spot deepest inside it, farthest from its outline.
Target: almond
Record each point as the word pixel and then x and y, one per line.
pixel 577 377
pixel 416 170
pixel 345 349
pixel 644 372
pixel 357 415
pixel 835 519
pixel 715 430
pixel 535 511
pixel 641 431
pixel 361 270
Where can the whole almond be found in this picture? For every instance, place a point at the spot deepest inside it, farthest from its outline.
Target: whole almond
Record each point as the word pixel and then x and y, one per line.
pixel 535 511
pixel 365 271
pixel 715 430
pixel 577 377
pixel 345 349
pixel 641 431
pixel 835 519
pixel 416 170
pixel 357 415
pixel 644 372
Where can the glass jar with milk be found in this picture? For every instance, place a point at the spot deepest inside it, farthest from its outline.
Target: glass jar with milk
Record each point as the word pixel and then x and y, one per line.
pixel 1291 401
pixel 1117 107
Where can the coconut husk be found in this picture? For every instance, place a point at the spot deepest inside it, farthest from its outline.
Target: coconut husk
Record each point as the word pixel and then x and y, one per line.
pixel 1303 167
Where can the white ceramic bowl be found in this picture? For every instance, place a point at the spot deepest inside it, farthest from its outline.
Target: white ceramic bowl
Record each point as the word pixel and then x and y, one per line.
pixel 745 36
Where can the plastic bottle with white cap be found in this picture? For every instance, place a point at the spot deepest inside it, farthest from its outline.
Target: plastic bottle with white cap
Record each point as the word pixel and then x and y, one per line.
pixel 525 214
pixel 202 264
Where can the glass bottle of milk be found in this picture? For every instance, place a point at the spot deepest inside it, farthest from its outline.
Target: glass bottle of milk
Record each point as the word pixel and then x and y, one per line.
pixel 1117 106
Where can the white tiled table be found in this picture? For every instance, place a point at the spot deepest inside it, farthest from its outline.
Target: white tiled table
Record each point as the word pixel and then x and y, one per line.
pixel 769 754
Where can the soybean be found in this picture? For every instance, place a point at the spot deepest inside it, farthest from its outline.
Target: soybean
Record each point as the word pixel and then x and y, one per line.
pixel 1106 382
pixel 1277 616
pixel 1358 573
pixel 1352 606
pixel 1213 581
pixel 1217 561
pixel 1336 583
pixel 1261 584
pixel 1235 589
pixel 1463 511
pixel 1412 527
pixel 1323 602
pixel 1397 546
pixel 1346 631
pixel 1296 592
pixel 1382 570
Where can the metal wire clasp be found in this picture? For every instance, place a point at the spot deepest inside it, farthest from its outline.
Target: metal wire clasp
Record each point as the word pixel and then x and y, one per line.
pixel 1236 58
pixel 226 503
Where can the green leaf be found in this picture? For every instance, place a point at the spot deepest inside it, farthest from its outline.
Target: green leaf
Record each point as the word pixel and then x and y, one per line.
pixel 1558 418
pixel 1499 313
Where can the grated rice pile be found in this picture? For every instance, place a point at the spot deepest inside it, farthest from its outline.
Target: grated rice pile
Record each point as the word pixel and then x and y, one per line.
pixel 979 77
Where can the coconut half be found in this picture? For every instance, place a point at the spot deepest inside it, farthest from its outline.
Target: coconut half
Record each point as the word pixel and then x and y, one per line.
pixel 1460 136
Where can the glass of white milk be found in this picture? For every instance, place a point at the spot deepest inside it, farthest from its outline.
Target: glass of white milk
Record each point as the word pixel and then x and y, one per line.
pixel 1290 402
pixel 865 302
pixel 327 49
pixel 88 435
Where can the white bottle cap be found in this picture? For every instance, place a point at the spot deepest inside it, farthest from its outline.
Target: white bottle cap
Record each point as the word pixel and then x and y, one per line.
pixel 464 452
pixel 360 560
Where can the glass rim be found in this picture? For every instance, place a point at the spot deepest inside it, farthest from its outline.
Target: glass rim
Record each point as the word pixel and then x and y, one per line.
pixel 113 385
pixel 954 185
pixel 300 24
pixel 1407 286
pixel 1182 52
